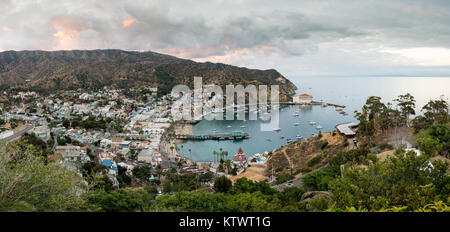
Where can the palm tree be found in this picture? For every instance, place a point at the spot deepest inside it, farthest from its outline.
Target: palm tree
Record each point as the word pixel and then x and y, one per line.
pixel 158 171
pixel 190 154
pixel 228 165
pixel 214 153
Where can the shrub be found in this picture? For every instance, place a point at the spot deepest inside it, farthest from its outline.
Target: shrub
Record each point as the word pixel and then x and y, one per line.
pixel 324 145
pixel 314 161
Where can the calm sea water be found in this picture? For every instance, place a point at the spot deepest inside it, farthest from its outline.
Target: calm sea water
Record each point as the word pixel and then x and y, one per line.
pixel 351 92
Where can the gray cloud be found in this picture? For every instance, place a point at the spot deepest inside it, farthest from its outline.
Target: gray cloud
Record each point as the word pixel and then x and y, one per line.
pixel 260 34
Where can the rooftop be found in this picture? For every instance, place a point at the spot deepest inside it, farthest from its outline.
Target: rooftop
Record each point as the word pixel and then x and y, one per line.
pixel 346 128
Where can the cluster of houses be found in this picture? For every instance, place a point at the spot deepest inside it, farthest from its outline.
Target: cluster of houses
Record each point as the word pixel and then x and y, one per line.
pixel 142 125
pixel 134 134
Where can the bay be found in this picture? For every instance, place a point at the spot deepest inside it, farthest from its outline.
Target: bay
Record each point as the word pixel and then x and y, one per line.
pixel 349 91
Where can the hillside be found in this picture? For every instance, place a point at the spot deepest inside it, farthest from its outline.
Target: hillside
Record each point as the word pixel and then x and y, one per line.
pixel 44 71
pixel 307 155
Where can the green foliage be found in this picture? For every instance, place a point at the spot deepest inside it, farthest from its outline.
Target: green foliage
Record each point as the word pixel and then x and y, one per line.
pixel 142 172
pixel 435 140
pixel 324 145
pixel 315 160
pixel 405 180
pixel 178 183
pixel 27 182
pixel 283 178
pixel 437 112
pixel 13 123
pixel 243 185
pixel 319 180
pixel 222 184
pixel 122 200
pixel 279 169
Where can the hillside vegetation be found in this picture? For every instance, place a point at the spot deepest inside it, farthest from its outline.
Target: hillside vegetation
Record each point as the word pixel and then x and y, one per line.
pixel 46 71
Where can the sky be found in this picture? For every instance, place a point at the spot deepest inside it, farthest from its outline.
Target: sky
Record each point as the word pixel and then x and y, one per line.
pixel 298 38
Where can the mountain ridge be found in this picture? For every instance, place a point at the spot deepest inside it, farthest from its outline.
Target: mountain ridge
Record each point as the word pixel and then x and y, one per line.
pixel 45 71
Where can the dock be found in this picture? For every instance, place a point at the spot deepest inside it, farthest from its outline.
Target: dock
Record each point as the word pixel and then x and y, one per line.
pixel 312 103
pixel 225 136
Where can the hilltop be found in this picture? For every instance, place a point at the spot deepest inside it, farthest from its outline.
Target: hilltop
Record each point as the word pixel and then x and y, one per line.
pixel 45 71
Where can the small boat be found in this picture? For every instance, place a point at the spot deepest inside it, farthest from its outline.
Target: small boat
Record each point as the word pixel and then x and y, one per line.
pixel 277 129
pixel 319 127
pixel 229 126
pixel 296 124
pixel 269 140
pixel 299 137
pixel 243 126
pixel 282 137
pixel 312 123
pixel 338 109
pixel 289 141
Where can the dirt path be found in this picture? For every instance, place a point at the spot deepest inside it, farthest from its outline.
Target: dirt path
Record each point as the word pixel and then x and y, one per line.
pixel 254 173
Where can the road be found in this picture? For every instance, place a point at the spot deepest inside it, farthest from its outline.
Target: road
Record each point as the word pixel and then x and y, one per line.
pixel 18 134
pixel 296 182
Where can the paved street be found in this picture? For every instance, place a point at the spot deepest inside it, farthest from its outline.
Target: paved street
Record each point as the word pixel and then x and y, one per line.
pixel 18 134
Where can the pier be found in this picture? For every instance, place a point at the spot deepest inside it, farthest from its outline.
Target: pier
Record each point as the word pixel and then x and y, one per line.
pixel 312 103
pixel 225 136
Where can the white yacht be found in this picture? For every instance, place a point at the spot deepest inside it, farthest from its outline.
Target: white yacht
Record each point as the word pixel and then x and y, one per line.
pixel 319 127
pixel 296 124
pixel 312 122
pixel 277 129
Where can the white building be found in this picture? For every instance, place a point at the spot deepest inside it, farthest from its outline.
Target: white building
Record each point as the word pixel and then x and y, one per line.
pixel 6 134
pixel 43 132
pixel 302 99
pixel 72 153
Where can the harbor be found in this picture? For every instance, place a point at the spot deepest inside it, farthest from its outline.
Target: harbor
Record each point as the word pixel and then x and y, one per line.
pixel 236 135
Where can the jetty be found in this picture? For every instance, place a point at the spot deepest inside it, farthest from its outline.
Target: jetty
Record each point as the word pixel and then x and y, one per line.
pixel 237 135
pixel 312 103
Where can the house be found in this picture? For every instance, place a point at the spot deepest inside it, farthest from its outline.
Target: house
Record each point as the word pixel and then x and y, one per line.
pixel 43 132
pixel 111 165
pixel 145 156
pixel 72 153
pixel 124 145
pixel 240 158
pixel 105 143
pixel 346 129
pixel 6 134
pixel 302 99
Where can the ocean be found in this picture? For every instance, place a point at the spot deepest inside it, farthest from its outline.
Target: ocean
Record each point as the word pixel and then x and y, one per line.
pixel 351 92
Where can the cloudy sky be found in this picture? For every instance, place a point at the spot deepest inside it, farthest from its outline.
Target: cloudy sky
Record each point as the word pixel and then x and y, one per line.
pixel 298 38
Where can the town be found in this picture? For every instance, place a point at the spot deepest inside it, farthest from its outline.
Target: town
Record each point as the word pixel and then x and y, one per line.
pixel 120 134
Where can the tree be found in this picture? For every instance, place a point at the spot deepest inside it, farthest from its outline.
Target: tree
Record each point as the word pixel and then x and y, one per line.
pixel 437 111
pixel 13 123
pixel 407 104
pixel 404 180
pixel 26 179
pixel 222 184
pixel 142 172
